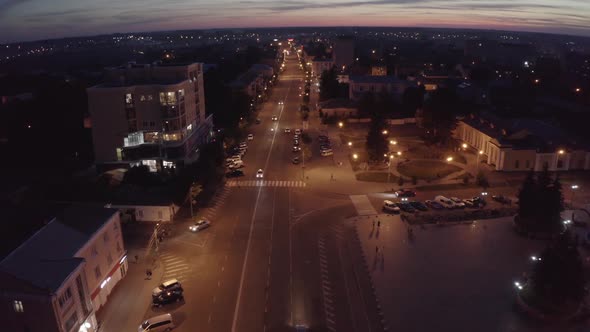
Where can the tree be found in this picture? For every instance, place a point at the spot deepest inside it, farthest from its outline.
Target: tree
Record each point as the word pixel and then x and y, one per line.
pixel 558 277
pixel 482 180
pixel 439 115
pixel 377 144
pixel 329 84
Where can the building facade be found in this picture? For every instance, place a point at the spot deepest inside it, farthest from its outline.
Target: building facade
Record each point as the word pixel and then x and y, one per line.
pixel 359 85
pixel 54 285
pixel 318 66
pixel 149 114
pixel 522 145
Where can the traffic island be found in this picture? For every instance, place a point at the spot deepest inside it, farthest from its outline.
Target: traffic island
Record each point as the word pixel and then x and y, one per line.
pixel 546 311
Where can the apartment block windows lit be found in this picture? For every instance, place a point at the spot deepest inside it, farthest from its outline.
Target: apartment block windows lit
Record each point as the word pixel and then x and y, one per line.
pixel 18 306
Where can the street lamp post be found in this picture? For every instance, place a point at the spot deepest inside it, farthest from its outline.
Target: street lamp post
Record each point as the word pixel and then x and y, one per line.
pixel 389 168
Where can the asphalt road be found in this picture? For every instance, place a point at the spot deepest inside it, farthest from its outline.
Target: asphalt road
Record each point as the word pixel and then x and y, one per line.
pixel 277 254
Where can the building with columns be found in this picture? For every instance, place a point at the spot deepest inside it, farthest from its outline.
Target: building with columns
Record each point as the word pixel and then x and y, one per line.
pixel 522 144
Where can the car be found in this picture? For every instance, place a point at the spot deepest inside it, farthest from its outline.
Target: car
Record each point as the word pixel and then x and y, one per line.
pixel 243 144
pixel 258 121
pixel 157 324
pixel 281 102
pixel 166 286
pixel 250 137
pixel 296 148
pixel 469 203
pixel 200 225
pixel 434 205
pixel 167 297
pixel 259 174
pixel 458 202
pixel 390 206
pixel 296 142
pixel 287 130
pixel 295 136
pixel 326 153
pixel 442 200
pixel 236 165
pixel 419 206
pixel 295 160
pixel 275 118
pixel 405 193
pixel 407 207
pixel 502 199
pixel 479 201
pixel 233 159
pixel 298 131
pixel 234 173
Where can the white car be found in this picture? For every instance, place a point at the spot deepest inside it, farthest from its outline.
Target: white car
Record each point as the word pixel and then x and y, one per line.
pixel 287 130
pixel 259 174
pixel 250 137
pixel 390 206
pixel 298 131
pixel 200 225
pixel 458 202
pixel 447 203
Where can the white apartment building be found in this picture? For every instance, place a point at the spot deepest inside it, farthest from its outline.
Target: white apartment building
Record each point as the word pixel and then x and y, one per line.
pixel 151 114
pixel 59 277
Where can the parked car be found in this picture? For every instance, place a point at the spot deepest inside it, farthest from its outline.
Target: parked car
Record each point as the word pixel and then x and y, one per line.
pixel 502 199
pixel 275 118
pixel 296 142
pixel 458 202
pixel 469 203
pixel 200 225
pixel 434 205
pixel 405 193
pixel 407 207
pixel 287 130
pixel 325 153
pixel 259 174
pixel 442 200
pixel 390 206
pixel 419 206
pixel 479 201
pixel 250 137
pixel 166 286
pixel 295 160
pixel 296 148
pixel 157 324
pixel 298 131
pixel 234 173
pixel 296 136
pixel 167 297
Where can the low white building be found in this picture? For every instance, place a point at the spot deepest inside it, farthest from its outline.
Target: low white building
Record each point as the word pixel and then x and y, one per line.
pixel 63 273
pixel 522 144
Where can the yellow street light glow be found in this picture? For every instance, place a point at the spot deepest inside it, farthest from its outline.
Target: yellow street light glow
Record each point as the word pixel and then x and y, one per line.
pixel 464 146
pixel 340 124
pixel 578 89
pixel 385 132
pixel 450 159
pixel 399 153
pixel 391 157
pixel 480 151
pixel 393 142
pixel 355 156
pixel 349 143
pixel 561 152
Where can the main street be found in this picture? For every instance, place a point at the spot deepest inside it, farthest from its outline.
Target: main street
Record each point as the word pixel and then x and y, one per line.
pixel 276 255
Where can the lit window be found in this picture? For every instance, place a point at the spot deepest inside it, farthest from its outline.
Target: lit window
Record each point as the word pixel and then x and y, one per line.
pixel 18 306
pixel 65 297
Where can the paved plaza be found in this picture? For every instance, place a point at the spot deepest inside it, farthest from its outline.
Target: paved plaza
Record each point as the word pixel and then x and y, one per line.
pixel 449 278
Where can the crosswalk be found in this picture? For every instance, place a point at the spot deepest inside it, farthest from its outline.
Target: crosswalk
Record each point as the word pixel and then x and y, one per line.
pixel 265 183
pixel 175 267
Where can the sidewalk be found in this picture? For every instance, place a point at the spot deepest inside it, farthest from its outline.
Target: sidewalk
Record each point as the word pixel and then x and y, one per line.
pixel 128 302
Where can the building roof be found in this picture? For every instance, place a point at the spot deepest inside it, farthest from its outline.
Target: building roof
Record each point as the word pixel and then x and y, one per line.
pixel 524 134
pixel 47 258
pixel 337 103
pixel 376 79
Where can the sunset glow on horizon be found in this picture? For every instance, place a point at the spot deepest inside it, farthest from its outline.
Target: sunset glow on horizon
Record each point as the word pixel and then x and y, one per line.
pixel 40 19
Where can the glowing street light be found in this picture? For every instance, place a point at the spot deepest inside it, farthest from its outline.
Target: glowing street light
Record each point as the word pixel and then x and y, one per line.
pixel 561 151
pixel 384 132
pixel 340 124
pixel 393 142
pixel 399 153
pixel 578 90
pixel 464 146
pixel 355 156
pixel 350 144
pixel 449 159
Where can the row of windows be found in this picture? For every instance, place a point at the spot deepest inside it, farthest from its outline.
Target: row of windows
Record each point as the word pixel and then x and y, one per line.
pixel 65 298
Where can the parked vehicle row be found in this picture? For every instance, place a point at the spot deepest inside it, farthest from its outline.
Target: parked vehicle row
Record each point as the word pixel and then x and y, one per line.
pixel 438 203
pixel 234 163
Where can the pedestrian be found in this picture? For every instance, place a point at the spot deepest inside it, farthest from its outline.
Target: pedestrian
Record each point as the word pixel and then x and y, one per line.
pixel 148 273
pixel 379 224
pixel 331 177
pixel 376 249
pixel 373 223
pixel 136 258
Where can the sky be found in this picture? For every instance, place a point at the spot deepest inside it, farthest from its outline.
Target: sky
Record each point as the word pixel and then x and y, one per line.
pixel 22 20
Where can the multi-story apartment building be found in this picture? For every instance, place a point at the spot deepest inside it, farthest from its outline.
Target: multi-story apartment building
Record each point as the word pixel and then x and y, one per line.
pixel 149 114
pixel 359 85
pixel 57 278
pixel 319 65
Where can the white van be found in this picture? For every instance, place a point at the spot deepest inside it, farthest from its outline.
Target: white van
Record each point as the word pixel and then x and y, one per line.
pixel 447 203
pixel 157 324
pixel 326 153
